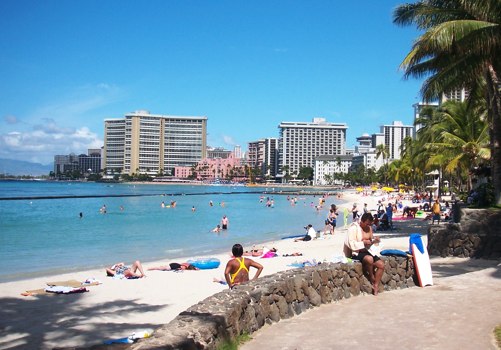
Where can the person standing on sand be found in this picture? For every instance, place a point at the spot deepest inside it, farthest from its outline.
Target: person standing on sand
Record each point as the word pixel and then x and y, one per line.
pixel 356 246
pixel 435 212
pixel 354 212
pixel 237 269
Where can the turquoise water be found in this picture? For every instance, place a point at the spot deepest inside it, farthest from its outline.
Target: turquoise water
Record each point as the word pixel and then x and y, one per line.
pixel 47 236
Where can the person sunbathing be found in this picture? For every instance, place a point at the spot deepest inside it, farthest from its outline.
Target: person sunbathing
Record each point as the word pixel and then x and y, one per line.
pixel 294 254
pixel 259 252
pixel 120 269
pixel 174 267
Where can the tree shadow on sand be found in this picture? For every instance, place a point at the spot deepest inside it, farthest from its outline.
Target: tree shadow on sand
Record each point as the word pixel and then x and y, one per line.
pixel 48 321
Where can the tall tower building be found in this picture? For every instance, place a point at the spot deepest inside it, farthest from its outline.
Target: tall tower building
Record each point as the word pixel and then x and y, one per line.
pixel 459 95
pixel 237 151
pixel 264 155
pixel 394 136
pixel 300 142
pixel 149 144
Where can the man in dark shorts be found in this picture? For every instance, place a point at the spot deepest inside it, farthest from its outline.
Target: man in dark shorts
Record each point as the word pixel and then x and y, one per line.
pixel 358 242
pixel 224 222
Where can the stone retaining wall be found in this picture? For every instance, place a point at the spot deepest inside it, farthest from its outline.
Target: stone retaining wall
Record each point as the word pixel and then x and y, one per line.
pixel 477 235
pixel 269 299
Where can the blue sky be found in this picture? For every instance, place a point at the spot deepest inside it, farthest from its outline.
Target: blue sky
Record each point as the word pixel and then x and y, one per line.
pixel 65 66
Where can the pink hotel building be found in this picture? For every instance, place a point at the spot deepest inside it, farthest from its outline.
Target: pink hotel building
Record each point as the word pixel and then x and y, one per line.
pixel 213 168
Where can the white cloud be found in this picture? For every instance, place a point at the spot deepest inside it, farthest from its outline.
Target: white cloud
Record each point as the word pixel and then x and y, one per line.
pixel 61 126
pixel 79 102
pixel 40 145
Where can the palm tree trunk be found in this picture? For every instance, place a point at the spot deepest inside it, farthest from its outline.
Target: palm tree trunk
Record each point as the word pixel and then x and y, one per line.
pixel 494 115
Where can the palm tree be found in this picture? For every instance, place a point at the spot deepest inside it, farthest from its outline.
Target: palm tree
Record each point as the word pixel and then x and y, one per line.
pixel 461 139
pixel 460 47
pixel 383 151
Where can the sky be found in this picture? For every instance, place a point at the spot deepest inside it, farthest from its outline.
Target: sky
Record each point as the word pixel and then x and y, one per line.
pixel 66 66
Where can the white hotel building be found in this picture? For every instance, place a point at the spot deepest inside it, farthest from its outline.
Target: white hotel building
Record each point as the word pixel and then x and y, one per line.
pixel 149 143
pixel 301 142
pixel 394 136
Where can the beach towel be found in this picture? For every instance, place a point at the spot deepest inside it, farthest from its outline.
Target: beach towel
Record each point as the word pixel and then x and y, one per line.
pixel 270 254
pixel 68 283
pixel 304 263
pixel 65 290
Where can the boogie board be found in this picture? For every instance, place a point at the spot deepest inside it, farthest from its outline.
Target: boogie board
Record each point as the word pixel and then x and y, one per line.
pixel 205 263
pixel 421 260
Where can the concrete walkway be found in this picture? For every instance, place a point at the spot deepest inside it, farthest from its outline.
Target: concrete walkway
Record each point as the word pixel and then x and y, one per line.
pixel 459 312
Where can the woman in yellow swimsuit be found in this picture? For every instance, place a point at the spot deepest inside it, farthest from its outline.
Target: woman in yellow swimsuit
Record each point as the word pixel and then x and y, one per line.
pixel 237 269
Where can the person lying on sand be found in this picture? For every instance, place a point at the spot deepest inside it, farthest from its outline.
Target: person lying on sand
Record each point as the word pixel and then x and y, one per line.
pixel 174 267
pixel 120 269
pixel 294 254
pixel 261 252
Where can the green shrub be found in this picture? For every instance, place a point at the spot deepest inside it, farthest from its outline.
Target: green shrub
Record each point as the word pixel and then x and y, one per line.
pixel 485 195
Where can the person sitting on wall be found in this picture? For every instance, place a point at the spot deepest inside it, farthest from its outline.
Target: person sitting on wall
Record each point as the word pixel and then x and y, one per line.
pixel 356 246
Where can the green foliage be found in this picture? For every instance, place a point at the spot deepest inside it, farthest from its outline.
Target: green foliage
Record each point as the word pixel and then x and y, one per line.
pixel 94 177
pixel 126 177
pixel 497 335
pixel 232 344
pixel 484 196
pixel 459 48
pixel 305 173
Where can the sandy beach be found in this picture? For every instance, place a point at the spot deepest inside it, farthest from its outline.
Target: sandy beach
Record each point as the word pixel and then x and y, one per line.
pixel 116 308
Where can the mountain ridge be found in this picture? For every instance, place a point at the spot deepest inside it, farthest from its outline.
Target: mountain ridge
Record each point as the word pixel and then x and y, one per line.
pixel 21 167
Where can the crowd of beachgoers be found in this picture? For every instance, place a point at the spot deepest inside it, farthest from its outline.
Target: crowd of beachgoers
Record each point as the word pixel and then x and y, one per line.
pixel 115 307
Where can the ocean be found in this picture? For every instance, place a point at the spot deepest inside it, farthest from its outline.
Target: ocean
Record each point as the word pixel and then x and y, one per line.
pixel 47 236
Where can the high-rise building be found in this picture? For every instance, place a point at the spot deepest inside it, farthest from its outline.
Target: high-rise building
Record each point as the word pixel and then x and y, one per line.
pixel 263 154
pixel 301 142
pixel 459 95
pixel 65 162
pixel 237 151
pixel 150 143
pixel 394 136
pixel 365 152
pixel 89 163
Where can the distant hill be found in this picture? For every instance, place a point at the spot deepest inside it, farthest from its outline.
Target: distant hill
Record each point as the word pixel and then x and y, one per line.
pixel 19 167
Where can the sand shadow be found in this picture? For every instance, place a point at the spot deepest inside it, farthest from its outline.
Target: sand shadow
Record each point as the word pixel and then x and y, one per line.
pixel 448 267
pixel 49 321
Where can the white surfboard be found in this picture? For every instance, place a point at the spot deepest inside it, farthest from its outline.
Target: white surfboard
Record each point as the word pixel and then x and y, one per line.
pixel 422 265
